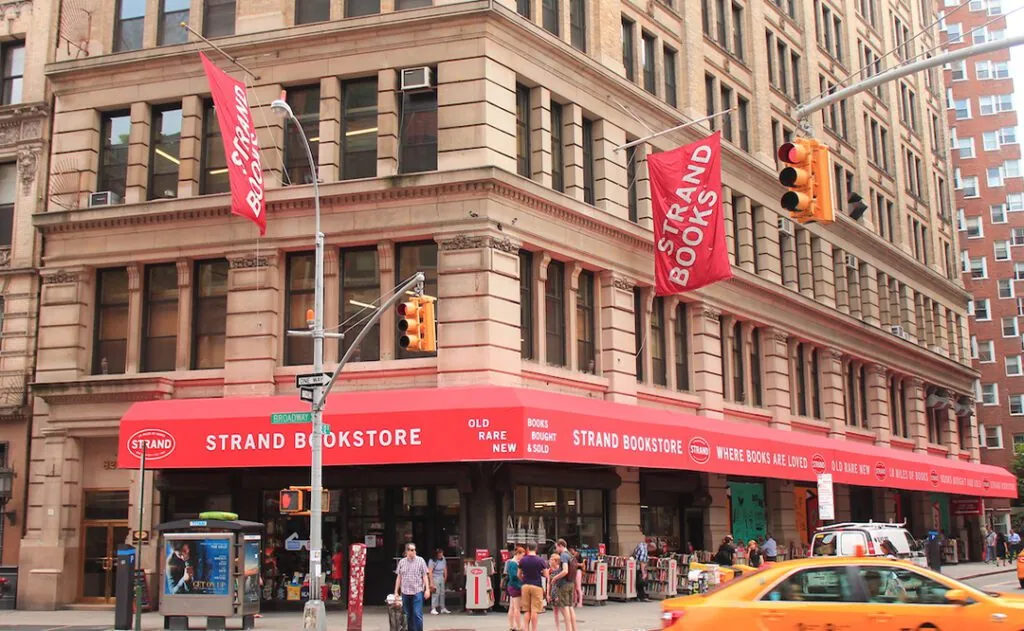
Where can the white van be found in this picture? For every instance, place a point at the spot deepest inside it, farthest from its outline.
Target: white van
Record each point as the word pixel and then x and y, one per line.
pixel 874 539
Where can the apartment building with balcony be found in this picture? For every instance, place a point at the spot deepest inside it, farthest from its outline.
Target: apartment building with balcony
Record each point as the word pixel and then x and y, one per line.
pixel 986 159
pixel 478 142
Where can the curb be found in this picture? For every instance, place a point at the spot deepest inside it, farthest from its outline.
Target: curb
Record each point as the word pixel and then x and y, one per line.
pixel 983 574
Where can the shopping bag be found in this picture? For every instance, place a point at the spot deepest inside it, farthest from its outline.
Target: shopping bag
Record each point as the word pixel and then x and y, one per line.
pixel 510 531
pixel 521 533
pixel 542 534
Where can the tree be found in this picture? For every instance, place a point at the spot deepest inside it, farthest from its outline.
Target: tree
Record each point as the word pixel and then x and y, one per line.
pixel 1017 466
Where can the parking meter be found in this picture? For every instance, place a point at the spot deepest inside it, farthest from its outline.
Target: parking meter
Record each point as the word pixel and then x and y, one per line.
pixel 124 591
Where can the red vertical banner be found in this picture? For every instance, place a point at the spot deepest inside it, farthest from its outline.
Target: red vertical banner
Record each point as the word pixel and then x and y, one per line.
pixel 356 582
pixel 689 227
pixel 241 148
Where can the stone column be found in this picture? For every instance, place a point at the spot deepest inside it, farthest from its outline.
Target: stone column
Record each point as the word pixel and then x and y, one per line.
pixel 138 154
pixel 729 213
pixel 269 134
pixel 540 320
pixel 917 419
pixel 605 45
pixel 840 272
pixel 133 356
pixel 476 123
pixel 971 442
pixel 540 136
pixel 790 268
pixel 844 511
pixel 618 341
pixel 952 429
pixel 329 147
pixel 644 212
pixel 190 148
pixel 856 290
pixel 805 263
pixel 744 218
pixel 671 321
pixel 386 263
pixel 183 349
pixel 332 301
pixel 726 324
pixel 610 169
pixel 691 71
pixel 478 281
pixel 716 516
pixel 766 235
pixel 879 415
pixel 625 512
pixel 830 363
pixel 254 327
pixel 906 301
pixel 387 126
pixel 572 137
pixel 572 357
pixel 941 339
pixel 824 273
pixel 775 360
pixel 66 313
pixel 705 335
pixel 781 505
pixel 870 296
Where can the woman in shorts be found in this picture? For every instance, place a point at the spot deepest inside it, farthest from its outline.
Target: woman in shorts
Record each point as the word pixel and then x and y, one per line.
pixel 515 590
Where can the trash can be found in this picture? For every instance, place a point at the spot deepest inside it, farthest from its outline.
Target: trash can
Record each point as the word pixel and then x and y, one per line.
pixel 396 615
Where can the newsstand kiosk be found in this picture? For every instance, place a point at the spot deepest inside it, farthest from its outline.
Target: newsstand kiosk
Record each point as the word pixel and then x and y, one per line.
pixel 211 568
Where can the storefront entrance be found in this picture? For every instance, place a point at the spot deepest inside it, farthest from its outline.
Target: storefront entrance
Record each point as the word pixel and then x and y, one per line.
pixel 104 527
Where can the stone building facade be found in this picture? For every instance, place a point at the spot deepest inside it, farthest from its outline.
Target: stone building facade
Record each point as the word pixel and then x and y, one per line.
pixel 504 184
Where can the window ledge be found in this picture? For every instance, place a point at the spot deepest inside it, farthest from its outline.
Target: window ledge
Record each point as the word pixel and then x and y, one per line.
pixel 364 369
pixel 666 396
pixel 560 375
pixel 107 388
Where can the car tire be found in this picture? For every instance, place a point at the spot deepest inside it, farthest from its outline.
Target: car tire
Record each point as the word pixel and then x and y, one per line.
pixel 927 627
pixel 1021 583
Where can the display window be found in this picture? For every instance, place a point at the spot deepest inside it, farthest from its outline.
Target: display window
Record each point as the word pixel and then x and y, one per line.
pixel 576 515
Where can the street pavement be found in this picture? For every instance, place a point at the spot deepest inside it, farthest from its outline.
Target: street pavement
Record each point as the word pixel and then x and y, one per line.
pixel 613 616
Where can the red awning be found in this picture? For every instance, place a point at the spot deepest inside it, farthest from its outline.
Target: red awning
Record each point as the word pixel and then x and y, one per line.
pixel 500 424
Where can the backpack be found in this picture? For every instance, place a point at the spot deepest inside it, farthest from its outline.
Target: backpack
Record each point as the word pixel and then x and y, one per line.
pixel 574 566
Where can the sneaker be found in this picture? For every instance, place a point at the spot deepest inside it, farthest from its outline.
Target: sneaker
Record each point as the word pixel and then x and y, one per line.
pixel 445 611
pixel 433 612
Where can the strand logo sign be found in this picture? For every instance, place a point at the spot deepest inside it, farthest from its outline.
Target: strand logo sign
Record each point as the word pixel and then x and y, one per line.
pixel 700 450
pixel 158 444
pixel 881 471
pixel 818 464
pixel 933 477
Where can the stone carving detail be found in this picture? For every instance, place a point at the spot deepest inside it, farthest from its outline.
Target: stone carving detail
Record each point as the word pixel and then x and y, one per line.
pixel 10 134
pixel 625 284
pixel 5 257
pixel 712 314
pixel 879 370
pixel 386 256
pixel 249 262
pixel 134 278
pixel 31 130
pixel 28 161
pixel 60 277
pixel 462 242
pixel 504 245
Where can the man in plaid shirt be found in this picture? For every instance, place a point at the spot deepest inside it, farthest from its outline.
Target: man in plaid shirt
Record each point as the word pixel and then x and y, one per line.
pixel 640 554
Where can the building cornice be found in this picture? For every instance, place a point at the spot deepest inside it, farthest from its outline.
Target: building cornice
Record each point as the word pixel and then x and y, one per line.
pixel 105 389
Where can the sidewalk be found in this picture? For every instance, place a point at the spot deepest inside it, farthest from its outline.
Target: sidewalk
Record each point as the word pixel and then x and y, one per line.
pixel 964 571
pixel 611 617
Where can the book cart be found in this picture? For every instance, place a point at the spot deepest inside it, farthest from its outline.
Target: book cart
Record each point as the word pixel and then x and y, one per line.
pixel 621 578
pixel 595 577
pixel 662 581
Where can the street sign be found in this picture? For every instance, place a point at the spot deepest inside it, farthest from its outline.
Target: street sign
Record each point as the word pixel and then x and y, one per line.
pixel 312 380
pixel 288 418
pixel 306 394
pixel 140 536
pixel 325 429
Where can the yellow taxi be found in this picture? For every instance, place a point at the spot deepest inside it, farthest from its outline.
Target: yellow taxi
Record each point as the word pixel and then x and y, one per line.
pixel 844 594
pixel 1020 569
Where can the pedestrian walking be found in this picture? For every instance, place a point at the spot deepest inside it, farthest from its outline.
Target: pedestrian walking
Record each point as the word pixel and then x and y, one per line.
pixel 990 547
pixel 770 549
pixel 1014 541
pixel 641 556
pixel 439 576
pixel 412 583
pixel 753 554
pixel 514 588
pixel 532 570
pixel 1001 548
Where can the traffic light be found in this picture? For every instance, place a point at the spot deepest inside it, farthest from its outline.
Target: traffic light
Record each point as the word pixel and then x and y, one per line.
pixel 291 501
pixel 417 324
pixel 809 180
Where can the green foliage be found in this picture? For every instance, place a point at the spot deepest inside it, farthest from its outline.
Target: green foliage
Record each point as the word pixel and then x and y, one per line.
pixel 1018 468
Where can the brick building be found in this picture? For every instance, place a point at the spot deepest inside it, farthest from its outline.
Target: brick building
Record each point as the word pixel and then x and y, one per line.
pixel 986 157
pixel 495 171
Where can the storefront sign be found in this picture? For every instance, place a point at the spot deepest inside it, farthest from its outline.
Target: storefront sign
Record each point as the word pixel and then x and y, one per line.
pixel 482 553
pixel 967 506
pixel 826 497
pixel 501 424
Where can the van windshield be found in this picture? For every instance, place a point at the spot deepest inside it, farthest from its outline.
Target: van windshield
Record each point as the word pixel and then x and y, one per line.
pixel 824 544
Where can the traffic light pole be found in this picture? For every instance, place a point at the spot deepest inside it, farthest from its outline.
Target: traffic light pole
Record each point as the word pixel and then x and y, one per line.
pixel 820 103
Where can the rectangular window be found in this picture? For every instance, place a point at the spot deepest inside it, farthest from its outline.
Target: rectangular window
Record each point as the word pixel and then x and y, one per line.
pixel 578 24
pixel 164 156
pixel 631 193
pixel 638 332
pixel 726 102
pixel 130 15
pixel 418 139
pixel 113 158
pixel 986 352
pixel 8 193
pixel 682 347
pixel 311 11
pixel 585 323
pixel 981 311
pixel 557 149
pixel 628 56
pixel 739 381
pixel 1016 404
pixel 709 100
pixel 1005 288
pixel 737 30
pixel 588 161
pixel 794 61
pixel 412 258
pixel 110 346
pixel 993 437
pixel 160 324
pixel 743 116
pixel 658 365
pixel 998 213
pixel 218 18
pixel 360 290
pixel 523 8
pixel 305 102
pixel 1002 250
pixel 523 130
pixel 1013 366
pixel 526 304
pixel 356 8
pixel 359 129
pixel 670 77
pixel 963 109
pixel 721 34
pixel 550 15
pixel 209 314
pixel 298 351
pixel 215 165
pixel 14 72
pixel 650 74
pixel 172 14
pixel 554 314
pixel 401 5
pixel 1010 328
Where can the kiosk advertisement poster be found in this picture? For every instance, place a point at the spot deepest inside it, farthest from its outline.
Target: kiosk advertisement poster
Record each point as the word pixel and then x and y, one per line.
pixel 199 567
pixel 252 569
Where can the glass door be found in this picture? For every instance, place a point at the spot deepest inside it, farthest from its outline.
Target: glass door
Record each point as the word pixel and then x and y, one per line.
pixel 99 552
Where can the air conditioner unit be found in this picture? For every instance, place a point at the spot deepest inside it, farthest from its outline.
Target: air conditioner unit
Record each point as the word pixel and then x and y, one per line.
pixel 417 79
pixel 785 226
pixel 104 198
pixel 898 331
pixel 852 262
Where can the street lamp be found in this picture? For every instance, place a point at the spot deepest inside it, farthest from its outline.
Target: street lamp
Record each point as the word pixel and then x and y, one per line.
pixel 315 614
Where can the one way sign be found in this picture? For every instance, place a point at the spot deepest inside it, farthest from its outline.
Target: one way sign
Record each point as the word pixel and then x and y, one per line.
pixel 312 380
